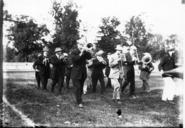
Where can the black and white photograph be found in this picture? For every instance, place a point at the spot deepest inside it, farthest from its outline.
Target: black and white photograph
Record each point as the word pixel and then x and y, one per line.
pixel 92 63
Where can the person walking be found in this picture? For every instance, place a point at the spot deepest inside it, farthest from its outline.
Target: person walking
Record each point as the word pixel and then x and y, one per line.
pixel 98 65
pixel 79 57
pixel 146 67
pixel 42 69
pixel 57 64
pixel 129 71
pixel 167 63
pixel 115 73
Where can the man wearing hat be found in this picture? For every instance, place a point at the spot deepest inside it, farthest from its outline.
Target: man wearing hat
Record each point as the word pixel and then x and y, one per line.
pixel 79 57
pixel 146 68
pixel 98 65
pixel 114 75
pixel 57 64
pixel 129 71
pixel 167 63
pixel 41 66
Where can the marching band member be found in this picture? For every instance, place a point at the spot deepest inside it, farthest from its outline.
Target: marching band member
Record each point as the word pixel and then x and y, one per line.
pixel 115 73
pixel 107 71
pixel 37 66
pixel 79 71
pixel 98 65
pixel 129 69
pixel 41 66
pixel 146 68
pixel 68 68
pixel 167 63
pixel 57 64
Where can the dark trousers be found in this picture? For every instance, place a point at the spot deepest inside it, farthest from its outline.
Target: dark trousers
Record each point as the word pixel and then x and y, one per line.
pixel 129 79
pixel 67 80
pixel 78 87
pixel 37 76
pixel 132 86
pixel 95 78
pixel 41 79
pixel 109 83
pixel 60 81
pixel 145 85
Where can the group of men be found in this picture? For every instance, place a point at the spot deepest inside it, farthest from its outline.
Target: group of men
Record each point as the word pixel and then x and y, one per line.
pixel 74 66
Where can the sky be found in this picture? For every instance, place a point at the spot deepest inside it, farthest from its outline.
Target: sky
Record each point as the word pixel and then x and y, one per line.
pixel 160 16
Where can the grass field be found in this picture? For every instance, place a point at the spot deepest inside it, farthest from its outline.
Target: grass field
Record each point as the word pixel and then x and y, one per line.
pixel 48 109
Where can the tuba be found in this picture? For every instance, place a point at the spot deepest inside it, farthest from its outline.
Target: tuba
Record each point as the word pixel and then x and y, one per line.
pixel 147 58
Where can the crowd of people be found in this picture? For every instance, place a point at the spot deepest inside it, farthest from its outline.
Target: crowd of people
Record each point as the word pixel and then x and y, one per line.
pixel 118 66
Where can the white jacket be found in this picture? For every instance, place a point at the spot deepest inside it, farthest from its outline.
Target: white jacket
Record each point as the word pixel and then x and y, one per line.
pixel 114 71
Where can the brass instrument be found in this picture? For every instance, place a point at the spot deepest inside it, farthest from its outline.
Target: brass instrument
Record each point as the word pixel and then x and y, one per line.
pixel 146 59
pixel 88 47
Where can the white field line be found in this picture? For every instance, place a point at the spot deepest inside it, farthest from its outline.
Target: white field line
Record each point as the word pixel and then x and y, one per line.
pixel 28 121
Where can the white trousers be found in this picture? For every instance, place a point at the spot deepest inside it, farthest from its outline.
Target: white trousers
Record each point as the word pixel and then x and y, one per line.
pixel 116 86
pixel 171 88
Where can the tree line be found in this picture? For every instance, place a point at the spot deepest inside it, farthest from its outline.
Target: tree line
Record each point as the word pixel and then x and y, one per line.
pixel 27 37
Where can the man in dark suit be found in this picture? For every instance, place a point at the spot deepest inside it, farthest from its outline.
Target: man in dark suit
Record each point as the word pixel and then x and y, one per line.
pixel 167 63
pixel 79 71
pixel 129 72
pixel 57 64
pixel 41 66
pixel 68 68
pixel 98 65
pixel 37 66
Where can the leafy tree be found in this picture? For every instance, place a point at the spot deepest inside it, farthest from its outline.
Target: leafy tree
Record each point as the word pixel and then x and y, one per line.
pixel 156 45
pixel 10 54
pixel 109 35
pixel 139 36
pixel 66 25
pixel 26 36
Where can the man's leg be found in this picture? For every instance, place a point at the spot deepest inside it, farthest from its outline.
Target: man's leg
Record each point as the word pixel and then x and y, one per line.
pixel 144 85
pixel 117 89
pixel 54 81
pixel 61 83
pixel 37 76
pixel 108 82
pixel 102 83
pixel 94 82
pixel 132 87
pixel 114 89
pixel 126 82
pixel 67 81
pixel 77 90
pixel 44 81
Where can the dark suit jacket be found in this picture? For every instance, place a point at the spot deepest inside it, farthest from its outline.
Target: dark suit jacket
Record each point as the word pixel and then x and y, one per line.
pixel 97 68
pixel 129 72
pixel 167 62
pixel 58 69
pixel 44 70
pixel 79 64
